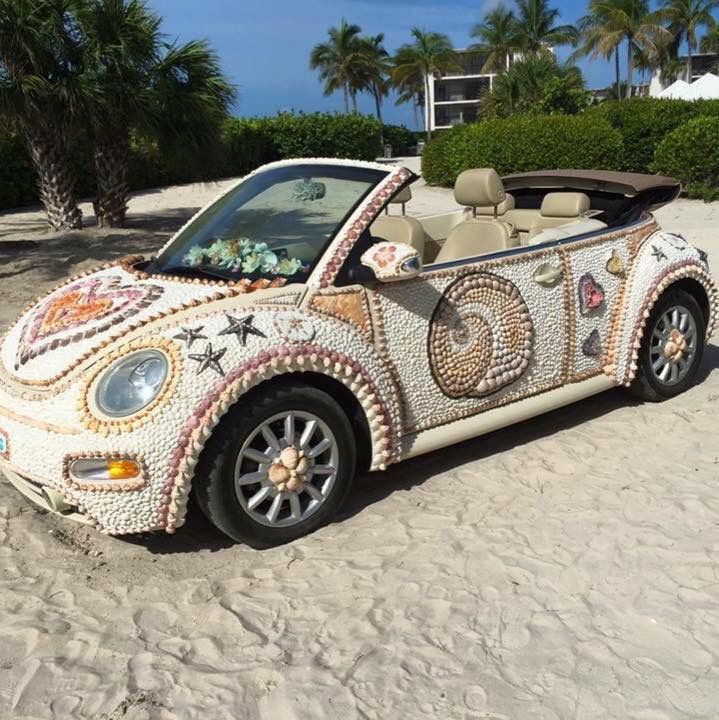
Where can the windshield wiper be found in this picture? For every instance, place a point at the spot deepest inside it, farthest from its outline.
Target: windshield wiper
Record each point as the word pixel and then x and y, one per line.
pixel 187 270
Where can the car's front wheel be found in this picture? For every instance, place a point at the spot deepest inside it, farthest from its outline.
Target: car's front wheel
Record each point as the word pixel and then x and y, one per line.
pixel 277 467
pixel 672 347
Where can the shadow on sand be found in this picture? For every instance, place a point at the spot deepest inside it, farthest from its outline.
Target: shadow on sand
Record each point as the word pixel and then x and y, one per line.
pixel 52 257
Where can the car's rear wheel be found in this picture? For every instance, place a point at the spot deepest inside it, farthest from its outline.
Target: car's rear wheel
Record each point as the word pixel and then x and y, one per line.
pixel 672 347
pixel 277 467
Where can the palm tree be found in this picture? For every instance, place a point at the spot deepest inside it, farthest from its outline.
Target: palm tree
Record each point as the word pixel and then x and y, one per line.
pixel 132 79
pixel 339 61
pixel 39 67
pixel 498 41
pixel 536 28
pixel 684 18
pixel 410 88
pixel 643 32
pixel 601 36
pixel 430 54
pixel 375 70
pixel 523 87
pixel 610 23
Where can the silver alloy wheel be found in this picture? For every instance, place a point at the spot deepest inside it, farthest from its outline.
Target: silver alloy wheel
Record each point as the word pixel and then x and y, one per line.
pixel 270 502
pixel 673 345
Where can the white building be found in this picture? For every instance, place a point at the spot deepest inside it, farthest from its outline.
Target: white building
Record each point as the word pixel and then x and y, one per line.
pixel 702 63
pixel 454 97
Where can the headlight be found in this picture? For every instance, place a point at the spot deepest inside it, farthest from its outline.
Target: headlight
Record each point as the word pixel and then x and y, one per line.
pixel 132 383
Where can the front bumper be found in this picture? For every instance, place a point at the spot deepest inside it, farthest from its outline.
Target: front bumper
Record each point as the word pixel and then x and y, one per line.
pixel 43 495
pixel 38 455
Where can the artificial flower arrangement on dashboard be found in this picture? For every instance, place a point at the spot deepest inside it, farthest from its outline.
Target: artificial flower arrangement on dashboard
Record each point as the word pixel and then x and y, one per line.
pixel 244 255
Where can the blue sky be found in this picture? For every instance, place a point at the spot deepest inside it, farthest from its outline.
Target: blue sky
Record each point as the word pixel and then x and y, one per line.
pixel 265 44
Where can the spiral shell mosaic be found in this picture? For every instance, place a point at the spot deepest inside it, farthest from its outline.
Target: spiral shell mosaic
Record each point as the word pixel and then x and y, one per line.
pixel 480 336
pixel 418 355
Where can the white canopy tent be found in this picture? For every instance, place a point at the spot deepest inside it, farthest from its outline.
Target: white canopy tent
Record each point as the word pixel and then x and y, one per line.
pixel 705 88
pixel 676 91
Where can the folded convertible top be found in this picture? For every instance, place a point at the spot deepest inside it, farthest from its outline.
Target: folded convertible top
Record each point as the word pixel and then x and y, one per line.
pixel 629 184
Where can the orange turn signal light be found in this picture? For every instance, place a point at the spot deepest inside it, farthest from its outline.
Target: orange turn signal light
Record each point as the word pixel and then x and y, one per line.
pixel 123 469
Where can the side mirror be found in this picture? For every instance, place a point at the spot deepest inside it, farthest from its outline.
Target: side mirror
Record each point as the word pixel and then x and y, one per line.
pixel 391 262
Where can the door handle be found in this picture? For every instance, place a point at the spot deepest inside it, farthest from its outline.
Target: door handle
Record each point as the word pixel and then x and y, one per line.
pixel 548 275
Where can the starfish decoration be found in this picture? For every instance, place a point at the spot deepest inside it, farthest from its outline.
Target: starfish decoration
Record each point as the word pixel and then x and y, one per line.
pixel 189 335
pixel 241 328
pixel 209 359
pixel 658 253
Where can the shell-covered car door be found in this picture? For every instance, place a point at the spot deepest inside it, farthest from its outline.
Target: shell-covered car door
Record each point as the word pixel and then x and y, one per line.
pixel 468 336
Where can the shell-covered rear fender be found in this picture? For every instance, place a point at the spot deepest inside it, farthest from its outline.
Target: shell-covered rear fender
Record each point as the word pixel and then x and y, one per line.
pixel 287 342
pixel 663 260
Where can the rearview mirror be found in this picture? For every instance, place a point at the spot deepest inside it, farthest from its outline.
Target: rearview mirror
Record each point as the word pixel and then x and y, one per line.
pixel 391 262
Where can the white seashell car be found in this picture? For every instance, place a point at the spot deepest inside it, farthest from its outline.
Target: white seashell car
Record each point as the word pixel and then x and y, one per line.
pixel 302 328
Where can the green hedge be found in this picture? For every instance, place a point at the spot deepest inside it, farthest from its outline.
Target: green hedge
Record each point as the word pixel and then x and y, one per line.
pixel 243 145
pixel 520 144
pixel 322 135
pixel 691 154
pixel 643 123
pixel 402 139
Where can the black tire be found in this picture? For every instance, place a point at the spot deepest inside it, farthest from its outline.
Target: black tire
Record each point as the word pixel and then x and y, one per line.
pixel 646 385
pixel 214 484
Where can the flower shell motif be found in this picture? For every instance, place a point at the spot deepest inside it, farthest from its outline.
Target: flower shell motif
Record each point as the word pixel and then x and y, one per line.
pixel 480 337
pixel 294 327
pixel 385 259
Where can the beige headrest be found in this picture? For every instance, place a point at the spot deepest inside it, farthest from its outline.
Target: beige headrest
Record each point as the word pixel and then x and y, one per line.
pixel 564 204
pixel 403 196
pixel 506 204
pixel 479 187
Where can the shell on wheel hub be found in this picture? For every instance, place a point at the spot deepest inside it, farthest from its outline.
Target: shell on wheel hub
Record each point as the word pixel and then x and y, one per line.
pixel 675 346
pixel 288 472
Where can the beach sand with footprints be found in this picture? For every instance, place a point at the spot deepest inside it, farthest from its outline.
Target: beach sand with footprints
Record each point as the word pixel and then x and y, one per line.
pixel 566 567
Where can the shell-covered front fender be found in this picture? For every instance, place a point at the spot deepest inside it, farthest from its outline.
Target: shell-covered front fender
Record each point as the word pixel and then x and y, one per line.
pixel 662 260
pixel 241 350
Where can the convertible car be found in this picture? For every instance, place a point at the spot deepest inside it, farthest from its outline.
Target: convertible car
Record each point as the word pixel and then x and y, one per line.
pixel 302 328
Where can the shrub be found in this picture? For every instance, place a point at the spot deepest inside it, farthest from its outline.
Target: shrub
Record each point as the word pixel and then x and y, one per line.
pixel 536 85
pixel 248 144
pixel 243 145
pixel 691 154
pixel 17 177
pixel 402 139
pixel 643 123
pixel 324 135
pixel 520 144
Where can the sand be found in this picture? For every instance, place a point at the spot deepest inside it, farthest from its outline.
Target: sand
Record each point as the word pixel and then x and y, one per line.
pixel 567 567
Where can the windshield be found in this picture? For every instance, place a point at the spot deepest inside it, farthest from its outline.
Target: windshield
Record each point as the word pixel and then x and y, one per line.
pixel 276 224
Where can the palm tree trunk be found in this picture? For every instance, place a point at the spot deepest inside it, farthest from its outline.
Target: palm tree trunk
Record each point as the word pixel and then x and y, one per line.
pixel 427 108
pixel 689 60
pixel 630 68
pixel 377 103
pixel 112 157
pixel 347 100
pixel 56 182
pixel 617 73
pixel 354 101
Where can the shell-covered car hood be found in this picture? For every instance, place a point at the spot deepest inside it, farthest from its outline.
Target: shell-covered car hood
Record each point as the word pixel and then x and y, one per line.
pixel 87 313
